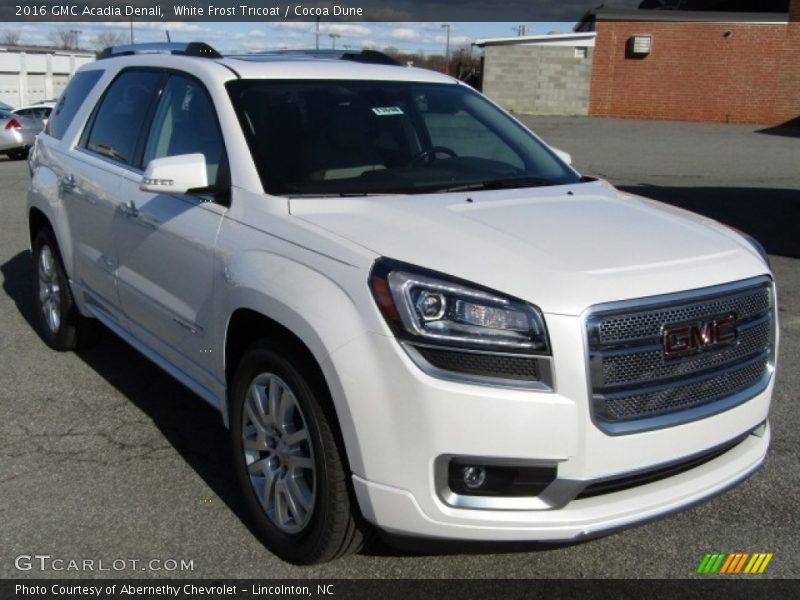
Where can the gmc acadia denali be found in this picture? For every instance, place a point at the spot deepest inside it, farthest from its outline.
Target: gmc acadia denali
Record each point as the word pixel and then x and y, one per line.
pixel 411 312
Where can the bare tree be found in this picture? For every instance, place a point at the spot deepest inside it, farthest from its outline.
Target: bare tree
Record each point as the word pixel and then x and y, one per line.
pixel 10 38
pixel 108 38
pixel 463 63
pixel 66 39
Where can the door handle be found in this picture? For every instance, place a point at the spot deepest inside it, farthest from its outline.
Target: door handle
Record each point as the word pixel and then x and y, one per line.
pixel 129 209
pixel 68 183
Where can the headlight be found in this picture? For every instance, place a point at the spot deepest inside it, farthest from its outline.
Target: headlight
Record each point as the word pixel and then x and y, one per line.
pixel 429 308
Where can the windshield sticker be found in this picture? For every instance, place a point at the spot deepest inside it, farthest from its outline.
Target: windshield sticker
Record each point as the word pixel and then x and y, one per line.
pixel 383 111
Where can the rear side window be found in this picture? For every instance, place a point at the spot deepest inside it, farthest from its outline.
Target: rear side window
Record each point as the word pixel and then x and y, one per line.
pixel 120 118
pixel 34 113
pixel 70 101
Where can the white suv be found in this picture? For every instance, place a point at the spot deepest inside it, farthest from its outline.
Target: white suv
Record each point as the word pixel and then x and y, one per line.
pixel 410 312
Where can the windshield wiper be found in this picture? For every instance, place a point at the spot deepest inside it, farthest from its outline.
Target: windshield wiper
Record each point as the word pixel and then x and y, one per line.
pixel 501 184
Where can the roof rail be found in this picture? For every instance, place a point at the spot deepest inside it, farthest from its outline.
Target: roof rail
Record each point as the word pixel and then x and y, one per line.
pixel 372 57
pixel 200 49
pixel 361 56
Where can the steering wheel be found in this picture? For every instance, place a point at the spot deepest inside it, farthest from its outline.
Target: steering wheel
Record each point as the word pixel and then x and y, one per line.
pixel 428 155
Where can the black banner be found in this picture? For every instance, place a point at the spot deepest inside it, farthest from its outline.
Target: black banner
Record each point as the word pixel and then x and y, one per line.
pixel 303 10
pixel 733 588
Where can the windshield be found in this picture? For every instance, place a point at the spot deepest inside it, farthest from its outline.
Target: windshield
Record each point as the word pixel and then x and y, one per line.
pixel 334 137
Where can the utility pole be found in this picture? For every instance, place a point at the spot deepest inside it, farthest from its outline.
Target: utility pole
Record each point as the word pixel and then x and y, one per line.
pixel 317 33
pixel 447 49
pixel 131 30
pixel 333 37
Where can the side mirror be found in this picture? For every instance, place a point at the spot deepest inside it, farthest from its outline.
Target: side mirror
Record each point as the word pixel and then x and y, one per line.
pixel 565 156
pixel 175 174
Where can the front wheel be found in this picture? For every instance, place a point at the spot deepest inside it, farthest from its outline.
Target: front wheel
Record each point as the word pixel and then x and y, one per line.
pixel 288 463
pixel 61 326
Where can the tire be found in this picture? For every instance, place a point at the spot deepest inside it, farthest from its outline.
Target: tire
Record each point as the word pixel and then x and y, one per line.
pixel 61 326
pixel 18 154
pixel 292 472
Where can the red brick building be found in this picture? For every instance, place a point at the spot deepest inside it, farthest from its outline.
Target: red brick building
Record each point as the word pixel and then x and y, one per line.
pixel 697 66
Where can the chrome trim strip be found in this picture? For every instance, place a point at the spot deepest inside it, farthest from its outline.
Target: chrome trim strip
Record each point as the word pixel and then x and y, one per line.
pixel 640 390
pixel 608 310
pixel 666 300
pixel 555 495
pixel 633 350
pixel 686 415
pixel 184 378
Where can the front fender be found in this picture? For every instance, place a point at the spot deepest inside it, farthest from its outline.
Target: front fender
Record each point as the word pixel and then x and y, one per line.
pixel 326 305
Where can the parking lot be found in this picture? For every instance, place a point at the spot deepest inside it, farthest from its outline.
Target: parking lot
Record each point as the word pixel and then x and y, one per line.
pixel 104 457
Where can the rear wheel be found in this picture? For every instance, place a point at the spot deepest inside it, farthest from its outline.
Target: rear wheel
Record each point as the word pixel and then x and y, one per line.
pixel 288 463
pixel 61 326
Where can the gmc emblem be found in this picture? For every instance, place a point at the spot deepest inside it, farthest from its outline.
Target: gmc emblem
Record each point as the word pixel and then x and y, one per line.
pixel 697 337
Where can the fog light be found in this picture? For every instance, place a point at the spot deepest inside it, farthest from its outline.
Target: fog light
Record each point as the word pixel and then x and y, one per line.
pixel 466 478
pixel 474 477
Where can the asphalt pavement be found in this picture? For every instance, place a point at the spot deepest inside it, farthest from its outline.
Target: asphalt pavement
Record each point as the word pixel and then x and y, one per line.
pixel 105 458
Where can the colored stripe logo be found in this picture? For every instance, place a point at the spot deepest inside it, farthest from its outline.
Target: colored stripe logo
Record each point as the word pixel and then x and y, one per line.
pixel 735 563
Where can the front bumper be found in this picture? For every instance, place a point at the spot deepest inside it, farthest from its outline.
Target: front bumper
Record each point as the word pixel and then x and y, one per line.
pixel 398 422
pixel 397 511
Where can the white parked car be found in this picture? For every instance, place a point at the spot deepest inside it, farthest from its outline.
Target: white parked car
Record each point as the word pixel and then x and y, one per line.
pixel 37 112
pixel 409 311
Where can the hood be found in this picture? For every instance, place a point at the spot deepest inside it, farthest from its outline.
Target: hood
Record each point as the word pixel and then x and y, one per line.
pixel 562 248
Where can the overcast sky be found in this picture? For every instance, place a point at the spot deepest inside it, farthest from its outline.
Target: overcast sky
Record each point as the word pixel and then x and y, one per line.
pixel 250 36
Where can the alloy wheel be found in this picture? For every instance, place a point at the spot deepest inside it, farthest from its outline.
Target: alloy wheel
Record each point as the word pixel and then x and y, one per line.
pixel 278 453
pixel 49 289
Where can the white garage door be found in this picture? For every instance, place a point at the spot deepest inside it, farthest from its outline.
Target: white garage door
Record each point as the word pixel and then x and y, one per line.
pixel 9 88
pixel 36 87
pixel 60 81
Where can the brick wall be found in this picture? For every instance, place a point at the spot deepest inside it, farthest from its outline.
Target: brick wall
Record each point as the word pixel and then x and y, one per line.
pixel 534 79
pixel 699 72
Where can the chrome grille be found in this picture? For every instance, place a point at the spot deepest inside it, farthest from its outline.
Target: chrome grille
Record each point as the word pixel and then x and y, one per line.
pixel 635 386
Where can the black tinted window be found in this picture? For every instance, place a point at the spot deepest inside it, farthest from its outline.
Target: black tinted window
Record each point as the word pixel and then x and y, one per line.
pixel 121 115
pixel 70 101
pixel 186 123
pixel 335 137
